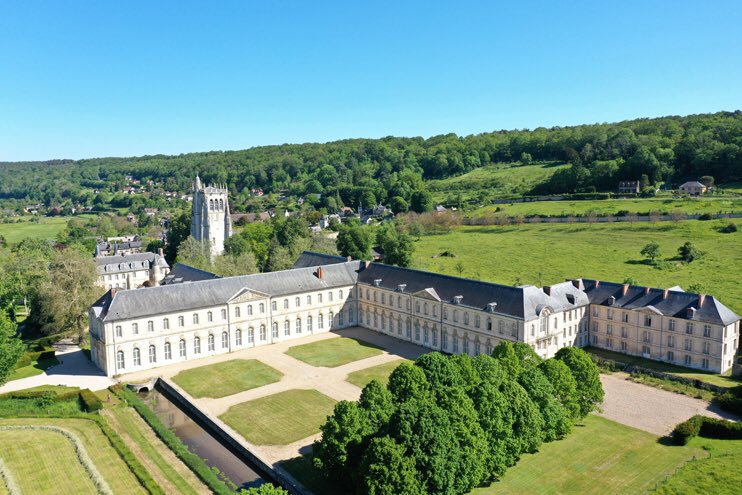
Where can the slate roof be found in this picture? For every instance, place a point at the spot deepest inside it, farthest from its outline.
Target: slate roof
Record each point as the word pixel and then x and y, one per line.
pixel 183 273
pixel 675 304
pixel 310 258
pixel 520 302
pixel 125 304
pixel 119 264
pixel 692 183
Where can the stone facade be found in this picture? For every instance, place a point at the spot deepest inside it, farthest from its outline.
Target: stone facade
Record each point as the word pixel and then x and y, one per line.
pixel 131 271
pixel 210 219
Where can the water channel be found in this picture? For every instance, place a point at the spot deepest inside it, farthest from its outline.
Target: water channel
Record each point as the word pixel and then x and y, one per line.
pixel 201 442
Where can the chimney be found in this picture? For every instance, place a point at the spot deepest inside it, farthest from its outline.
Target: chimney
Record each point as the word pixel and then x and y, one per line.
pixel 160 252
pixel 377 282
pixel 611 300
pixel 701 299
pixel 320 273
pixel 491 307
pixel 646 291
pixel 401 287
pixel 547 290
pixel 691 313
pixel 597 284
pixel 665 293
pixel 457 299
pixel 348 259
pixel 625 289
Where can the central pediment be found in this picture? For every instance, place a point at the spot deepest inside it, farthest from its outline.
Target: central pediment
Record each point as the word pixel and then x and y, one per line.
pixel 428 293
pixel 246 295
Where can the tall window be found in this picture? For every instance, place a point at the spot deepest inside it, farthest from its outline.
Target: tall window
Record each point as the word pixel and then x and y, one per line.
pixel 120 360
pixel 707 330
pixel 444 341
pixel 150 326
pixel 165 324
pixel 274 329
pixel 210 340
pixel 196 345
pixel 320 321
pixel 238 337
pixel 168 351
pixel 195 318
pixel 298 326
pixel 689 328
pixel 706 347
pixel 329 296
pixel 152 354
pixel 647 321
pixel 225 340
pixel 274 305
pixel 309 299
pixel 263 333
pixel 237 312
pixel 119 332
pixel 309 325
pixel 330 319
pixel 341 319
pixel 181 321
pixel 286 329
pixel 671 325
pixel 224 314
pixel 137 357
pixel 262 308
pixel 209 316
pixel 285 304
pixel 297 302
pixel 182 348
pixel 250 335
pixel 340 294
pixel 249 310
pixel 319 298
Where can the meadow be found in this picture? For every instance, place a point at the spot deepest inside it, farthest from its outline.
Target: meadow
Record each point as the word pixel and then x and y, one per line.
pixel 45 228
pixel 543 254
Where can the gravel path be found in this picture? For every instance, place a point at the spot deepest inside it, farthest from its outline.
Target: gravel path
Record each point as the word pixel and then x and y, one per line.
pixel 648 408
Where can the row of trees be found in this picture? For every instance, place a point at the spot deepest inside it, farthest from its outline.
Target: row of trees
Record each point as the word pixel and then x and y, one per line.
pixel 447 424
pixel 392 170
pixel 390 238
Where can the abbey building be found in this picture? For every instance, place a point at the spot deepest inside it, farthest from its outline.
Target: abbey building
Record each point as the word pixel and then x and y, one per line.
pixel 132 330
pixel 210 220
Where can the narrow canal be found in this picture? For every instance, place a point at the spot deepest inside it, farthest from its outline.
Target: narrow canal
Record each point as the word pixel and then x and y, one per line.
pixel 201 442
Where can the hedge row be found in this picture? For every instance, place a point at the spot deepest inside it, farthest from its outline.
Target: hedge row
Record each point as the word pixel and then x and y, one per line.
pixel 731 401
pixel 708 428
pixel 193 461
pixel 90 402
pixel 28 358
pixel 39 394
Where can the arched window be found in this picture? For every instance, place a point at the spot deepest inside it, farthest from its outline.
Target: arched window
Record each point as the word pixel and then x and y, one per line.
pixel 330 319
pixel 182 348
pixel 135 328
pixel 319 298
pixel 120 360
pixel 225 340
pixel 274 329
pixel 224 314
pixel 250 335
pixel 286 328
pixel 211 205
pixel 340 294
pixel 341 319
pixel 150 326
pixel 165 324
pixel 168 351
pixel 210 341
pixel 320 321
pixel 329 295
pixel 236 311
pixel 137 357
pixel 263 333
pixel 298 325
pixel 544 322
pixel 309 299
pixel 181 321
pixel 309 324
pixel 209 316
pixel 274 305
pixel 119 332
pixel 195 318
pixel 221 205
pixel 249 310
pixel 285 304
pixel 238 337
pixel 152 354
pixel 197 345
pixel 297 302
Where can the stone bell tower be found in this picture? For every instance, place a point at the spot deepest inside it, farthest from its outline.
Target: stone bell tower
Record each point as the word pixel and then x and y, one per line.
pixel 210 215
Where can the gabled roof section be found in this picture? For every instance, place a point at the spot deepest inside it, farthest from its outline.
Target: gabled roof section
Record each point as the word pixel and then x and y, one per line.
pixel 245 294
pixel 667 302
pixel 428 293
pixel 310 258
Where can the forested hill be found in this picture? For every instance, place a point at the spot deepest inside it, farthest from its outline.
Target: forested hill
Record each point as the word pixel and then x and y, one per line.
pixel 354 170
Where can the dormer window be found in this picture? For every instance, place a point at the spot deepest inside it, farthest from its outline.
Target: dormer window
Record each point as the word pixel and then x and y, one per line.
pixel 457 299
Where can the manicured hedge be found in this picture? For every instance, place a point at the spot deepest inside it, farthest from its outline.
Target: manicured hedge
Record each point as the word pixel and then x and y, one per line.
pixel 706 427
pixel 731 401
pixel 90 402
pixel 28 358
pixel 37 394
pixel 193 461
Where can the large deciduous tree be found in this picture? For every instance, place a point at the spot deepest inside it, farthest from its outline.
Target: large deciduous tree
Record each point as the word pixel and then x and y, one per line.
pixel 11 347
pixel 587 378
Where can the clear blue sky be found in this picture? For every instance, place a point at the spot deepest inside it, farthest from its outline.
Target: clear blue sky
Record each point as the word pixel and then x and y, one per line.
pixel 122 78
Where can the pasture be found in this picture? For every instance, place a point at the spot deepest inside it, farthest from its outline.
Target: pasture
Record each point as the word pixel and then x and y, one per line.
pixel 543 254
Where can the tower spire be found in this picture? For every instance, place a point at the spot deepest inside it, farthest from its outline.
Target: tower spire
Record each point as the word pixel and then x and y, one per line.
pixel 198 182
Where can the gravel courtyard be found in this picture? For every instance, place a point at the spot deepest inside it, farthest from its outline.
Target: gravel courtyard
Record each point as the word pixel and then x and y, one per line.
pixel 650 409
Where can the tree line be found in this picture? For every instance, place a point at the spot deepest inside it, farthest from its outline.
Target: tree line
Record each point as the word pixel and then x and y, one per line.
pixel 393 170
pixel 447 424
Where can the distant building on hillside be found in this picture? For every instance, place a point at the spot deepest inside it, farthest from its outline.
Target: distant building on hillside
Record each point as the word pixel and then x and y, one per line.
pixel 131 271
pixel 119 247
pixel 210 218
pixel 694 188
pixel 629 186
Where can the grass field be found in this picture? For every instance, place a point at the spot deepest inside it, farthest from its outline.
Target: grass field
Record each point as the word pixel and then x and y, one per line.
pixel 599 457
pixel 718 473
pixel 226 378
pixel 54 468
pixel 710 204
pixel 46 228
pixel 33 369
pixel 335 352
pixel 361 378
pixel 166 469
pixel 281 418
pixel 720 380
pixel 108 462
pixel 543 254
pixel 500 179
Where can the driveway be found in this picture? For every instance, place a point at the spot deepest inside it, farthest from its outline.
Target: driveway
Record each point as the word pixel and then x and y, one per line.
pixel 74 370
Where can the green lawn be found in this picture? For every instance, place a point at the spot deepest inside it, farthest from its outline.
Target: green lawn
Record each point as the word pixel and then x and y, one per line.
pixel 718 474
pixel 599 457
pixel 361 378
pixel 226 378
pixel 281 418
pixel 542 254
pixel 668 205
pixel 33 369
pixel 499 179
pixel 721 380
pixel 46 228
pixel 334 352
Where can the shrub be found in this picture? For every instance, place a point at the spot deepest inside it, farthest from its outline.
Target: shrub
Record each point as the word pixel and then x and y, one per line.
pixel 686 430
pixel 50 354
pixel 90 402
pixel 706 216
pixel 732 227
pixel 721 429
pixel 729 401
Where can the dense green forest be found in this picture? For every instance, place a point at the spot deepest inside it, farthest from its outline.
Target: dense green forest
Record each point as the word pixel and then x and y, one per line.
pixel 393 169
